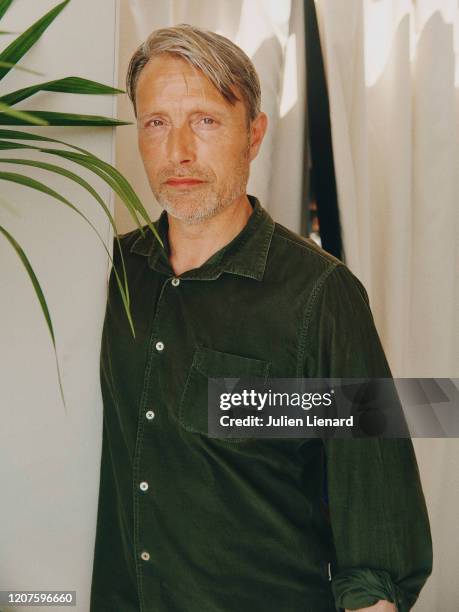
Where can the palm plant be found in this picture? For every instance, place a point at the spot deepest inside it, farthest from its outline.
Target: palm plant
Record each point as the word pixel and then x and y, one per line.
pixel 18 139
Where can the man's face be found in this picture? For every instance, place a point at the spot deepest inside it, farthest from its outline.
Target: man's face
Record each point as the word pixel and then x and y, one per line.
pixel 194 144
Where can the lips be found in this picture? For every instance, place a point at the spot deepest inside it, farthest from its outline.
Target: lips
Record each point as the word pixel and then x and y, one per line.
pixel 186 181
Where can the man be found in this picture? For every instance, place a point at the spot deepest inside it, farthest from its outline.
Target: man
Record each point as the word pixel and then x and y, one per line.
pixel 188 522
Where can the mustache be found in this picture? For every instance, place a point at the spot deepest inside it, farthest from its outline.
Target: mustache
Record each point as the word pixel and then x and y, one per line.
pixel 196 173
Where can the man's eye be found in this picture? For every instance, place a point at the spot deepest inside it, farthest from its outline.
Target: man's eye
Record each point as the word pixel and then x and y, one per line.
pixel 207 121
pixel 155 123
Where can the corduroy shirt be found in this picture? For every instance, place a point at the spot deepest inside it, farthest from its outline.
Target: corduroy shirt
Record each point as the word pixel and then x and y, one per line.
pixel 191 523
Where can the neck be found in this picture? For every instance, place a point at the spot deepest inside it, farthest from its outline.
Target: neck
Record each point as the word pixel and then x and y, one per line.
pixel 192 244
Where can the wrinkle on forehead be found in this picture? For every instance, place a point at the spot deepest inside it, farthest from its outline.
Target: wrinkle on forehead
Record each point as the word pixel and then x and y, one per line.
pixel 195 83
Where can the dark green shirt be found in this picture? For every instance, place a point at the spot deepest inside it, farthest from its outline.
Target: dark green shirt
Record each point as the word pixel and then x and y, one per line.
pixel 191 523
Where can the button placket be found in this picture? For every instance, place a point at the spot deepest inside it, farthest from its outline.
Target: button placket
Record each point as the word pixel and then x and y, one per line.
pixel 143 469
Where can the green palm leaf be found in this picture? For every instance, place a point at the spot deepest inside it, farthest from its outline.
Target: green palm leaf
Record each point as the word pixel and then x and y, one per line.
pixel 53 118
pixel 112 183
pixel 112 177
pixel 4 6
pixel 73 85
pixel 39 186
pixel 19 67
pixel 123 188
pixel 22 115
pixel 77 179
pixel 5 146
pixel 19 47
pixel 9 59
pixel 80 181
pixel 41 298
pixel 20 135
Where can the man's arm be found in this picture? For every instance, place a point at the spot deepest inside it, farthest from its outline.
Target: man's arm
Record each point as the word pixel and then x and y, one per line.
pixel 377 509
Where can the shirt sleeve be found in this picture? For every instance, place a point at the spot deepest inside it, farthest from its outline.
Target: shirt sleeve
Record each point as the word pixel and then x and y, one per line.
pixel 377 509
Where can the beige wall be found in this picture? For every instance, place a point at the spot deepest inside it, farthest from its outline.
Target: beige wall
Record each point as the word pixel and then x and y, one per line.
pixel 49 459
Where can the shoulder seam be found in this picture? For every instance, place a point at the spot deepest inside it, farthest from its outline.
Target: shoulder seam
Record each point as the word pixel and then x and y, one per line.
pixel 312 299
pixel 305 247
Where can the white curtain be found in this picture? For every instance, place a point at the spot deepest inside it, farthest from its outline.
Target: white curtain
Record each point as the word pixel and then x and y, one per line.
pixel 392 69
pixel 271 33
pixel 393 77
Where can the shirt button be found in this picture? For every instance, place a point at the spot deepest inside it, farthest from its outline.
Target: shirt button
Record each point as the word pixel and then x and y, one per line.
pixel 150 415
pixel 145 555
pixel 175 282
pixel 159 346
pixel 144 486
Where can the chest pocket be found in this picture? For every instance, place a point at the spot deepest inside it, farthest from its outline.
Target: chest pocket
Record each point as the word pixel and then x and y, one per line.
pixel 208 363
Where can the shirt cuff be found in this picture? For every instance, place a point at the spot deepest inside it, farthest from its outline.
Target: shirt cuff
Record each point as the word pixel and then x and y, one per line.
pixel 363 587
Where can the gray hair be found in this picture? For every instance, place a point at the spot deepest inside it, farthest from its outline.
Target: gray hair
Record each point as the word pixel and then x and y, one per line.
pixel 219 59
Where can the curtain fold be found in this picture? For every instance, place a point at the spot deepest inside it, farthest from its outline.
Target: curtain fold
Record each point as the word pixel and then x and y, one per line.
pixel 392 71
pixel 393 77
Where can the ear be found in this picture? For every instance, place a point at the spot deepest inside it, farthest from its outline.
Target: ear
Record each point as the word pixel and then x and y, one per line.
pixel 257 131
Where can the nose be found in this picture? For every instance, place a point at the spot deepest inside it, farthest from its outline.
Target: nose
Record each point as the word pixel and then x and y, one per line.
pixel 180 144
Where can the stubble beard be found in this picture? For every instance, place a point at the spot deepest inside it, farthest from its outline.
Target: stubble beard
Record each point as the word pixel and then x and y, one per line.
pixel 206 201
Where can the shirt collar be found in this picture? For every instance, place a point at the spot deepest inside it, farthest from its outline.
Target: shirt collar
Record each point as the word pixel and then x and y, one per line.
pixel 245 255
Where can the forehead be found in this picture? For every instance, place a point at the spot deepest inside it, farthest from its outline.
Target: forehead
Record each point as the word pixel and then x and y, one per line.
pixel 168 79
